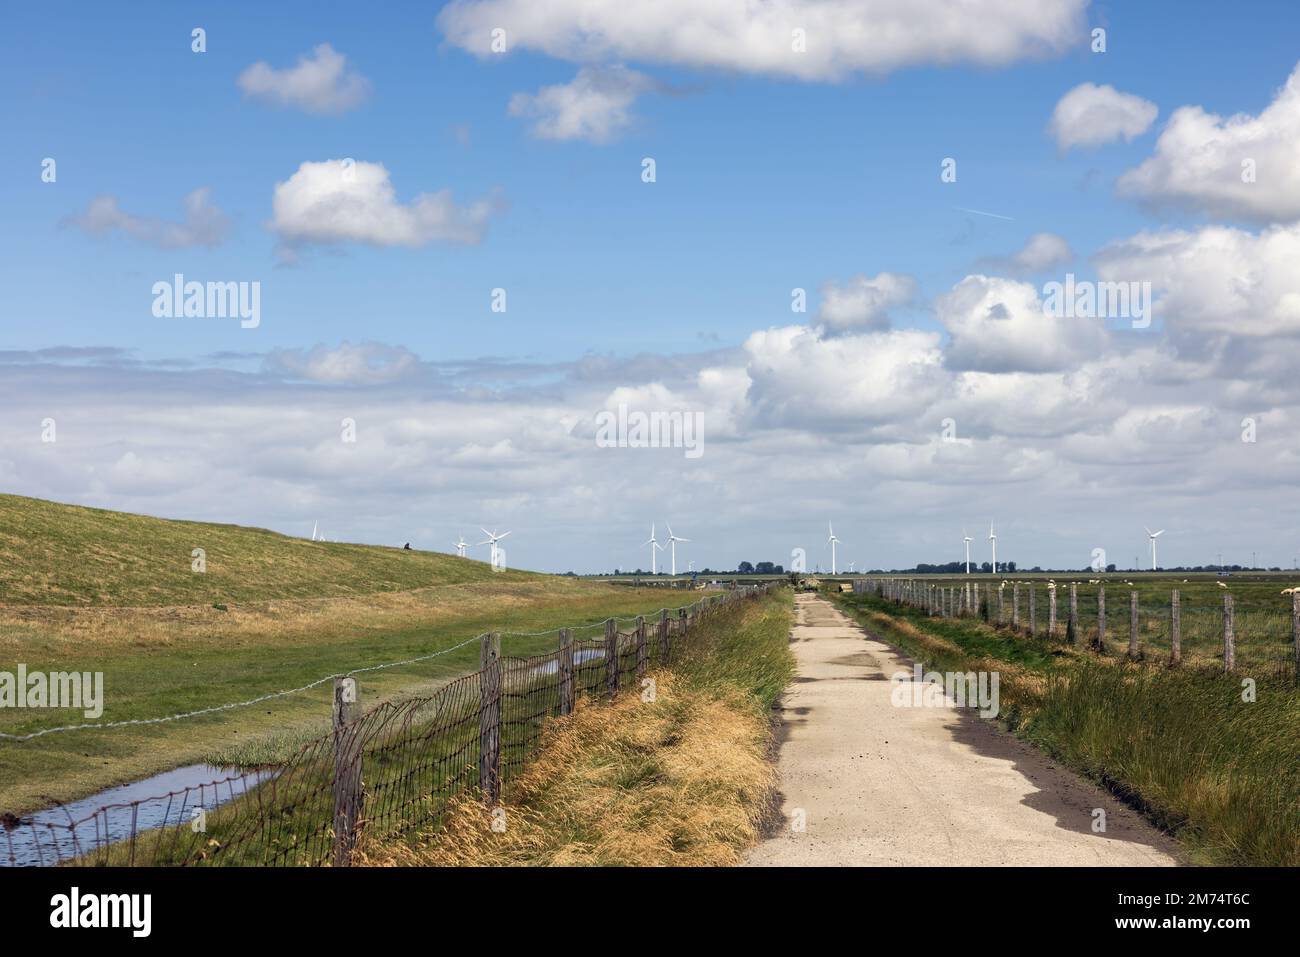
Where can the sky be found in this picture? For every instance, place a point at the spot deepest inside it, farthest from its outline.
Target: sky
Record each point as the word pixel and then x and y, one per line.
pixel 457 248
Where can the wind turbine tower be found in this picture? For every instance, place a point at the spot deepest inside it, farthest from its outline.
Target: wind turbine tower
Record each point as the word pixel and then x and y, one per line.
pixel 654 546
pixel 993 539
pixel 1153 536
pixel 967 539
pixel 833 542
pixel 672 545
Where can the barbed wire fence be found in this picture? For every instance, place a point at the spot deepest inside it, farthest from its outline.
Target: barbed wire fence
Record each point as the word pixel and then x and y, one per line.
pixel 380 772
pixel 1247 638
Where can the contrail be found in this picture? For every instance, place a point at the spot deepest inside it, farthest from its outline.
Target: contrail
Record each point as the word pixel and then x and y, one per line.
pixel 980 212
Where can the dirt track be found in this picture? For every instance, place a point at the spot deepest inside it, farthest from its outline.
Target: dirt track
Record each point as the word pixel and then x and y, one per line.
pixel 884 785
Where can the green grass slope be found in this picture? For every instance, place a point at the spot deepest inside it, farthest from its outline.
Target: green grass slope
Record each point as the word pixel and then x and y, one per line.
pixel 55 554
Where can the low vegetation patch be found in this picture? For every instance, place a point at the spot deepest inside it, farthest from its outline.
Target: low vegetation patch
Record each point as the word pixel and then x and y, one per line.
pixel 1221 773
pixel 683 779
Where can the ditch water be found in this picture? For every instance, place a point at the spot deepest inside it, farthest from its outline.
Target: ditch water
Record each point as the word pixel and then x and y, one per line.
pixel 165 799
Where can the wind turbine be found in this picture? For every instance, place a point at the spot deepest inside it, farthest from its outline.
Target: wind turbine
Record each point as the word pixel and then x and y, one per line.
pixel 492 539
pixel 313 529
pixel 461 545
pixel 967 539
pixel 833 542
pixel 1153 536
pixel 672 544
pixel 653 546
pixel 994 539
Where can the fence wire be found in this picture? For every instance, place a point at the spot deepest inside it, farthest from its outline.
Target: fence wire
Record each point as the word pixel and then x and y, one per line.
pixel 396 767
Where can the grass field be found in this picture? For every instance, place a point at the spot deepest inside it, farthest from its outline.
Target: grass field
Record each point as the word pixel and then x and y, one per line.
pixel 90 590
pixel 1184 744
pixel 682 780
pixel 1261 613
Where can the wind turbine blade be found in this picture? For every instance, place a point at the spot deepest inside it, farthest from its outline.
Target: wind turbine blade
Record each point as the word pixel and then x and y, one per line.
pixel 485 531
pixel 502 535
pixel 1157 534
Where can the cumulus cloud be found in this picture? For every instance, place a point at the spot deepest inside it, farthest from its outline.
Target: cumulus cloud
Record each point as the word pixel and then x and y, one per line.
pixel 999 325
pixel 340 201
pixel 594 106
pixel 319 83
pixel 1041 252
pixel 1090 115
pixel 1217 279
pixel 864 302
pixel 365 363
pixel 204 223
pixel 1241 166
pixel 802 378
pixel 840 37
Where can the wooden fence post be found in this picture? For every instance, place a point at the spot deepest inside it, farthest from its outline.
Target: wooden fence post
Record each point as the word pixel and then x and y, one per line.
pixel 1101 617
pixel 567 693
pixel 642 655
pixel 347 770
pixel 611 657
pixel 1295 630
pixel 1002 601
pixel 1033 613
pixel 1051 612
pixel 1015 607
pixel 1133 624
pixel 1229 643
pixel 1175 629
pixel 1072 627
pixel 682 624
pixel 489 718
pixel 663 637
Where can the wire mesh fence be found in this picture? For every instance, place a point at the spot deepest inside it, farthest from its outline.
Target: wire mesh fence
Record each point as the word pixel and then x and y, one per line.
pixel 382 772
pixel 1251 635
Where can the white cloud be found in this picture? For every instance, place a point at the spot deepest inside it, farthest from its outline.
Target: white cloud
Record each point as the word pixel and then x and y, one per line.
pixel 594 106
pixel 1041 252
pixel 998 325
pixel 361 364
pixel 320 83
pixel 802 379
pixel 1217 279
pixel 842 36
pixel 863 303
pixel 1199 157
pixel 1090 115
pixel 338 201
pixel 204 224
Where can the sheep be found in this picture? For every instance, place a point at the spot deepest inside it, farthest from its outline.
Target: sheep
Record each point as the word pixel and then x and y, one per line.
pixel 1221 584
pixel 1291 591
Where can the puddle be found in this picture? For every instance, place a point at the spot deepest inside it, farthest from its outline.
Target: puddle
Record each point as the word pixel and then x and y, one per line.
pixel 168 798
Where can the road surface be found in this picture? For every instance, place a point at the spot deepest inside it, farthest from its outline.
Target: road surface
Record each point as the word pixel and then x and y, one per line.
pixel 876 784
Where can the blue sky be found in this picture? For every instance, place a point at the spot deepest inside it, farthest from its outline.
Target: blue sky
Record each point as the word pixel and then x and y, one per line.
pixel 764 183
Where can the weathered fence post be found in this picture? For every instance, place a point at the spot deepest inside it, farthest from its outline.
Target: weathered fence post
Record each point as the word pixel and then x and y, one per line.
pixel 1051 612
pixel 347 770
pixel 663 637
pixel 1072 627
pixel 1015 607
pixel 1295 630
pixel 1101 617
pixel 642 655
pixel 489 718
pixel 611 657
pixel 1229 644
pixel 681 621
pixel 567 695
pixel 1175 629
pixel 1133 624
pixel 1033 613
pixel 1002 602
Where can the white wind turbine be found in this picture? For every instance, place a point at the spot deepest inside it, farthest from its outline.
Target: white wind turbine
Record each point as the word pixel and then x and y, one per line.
pixel 967 539
pixel 654 544
pixel 994 539
pixel 461 545
pixel 672 544
pixel 313 529
pixel 1153 536
pixel 833 541
pixel 492 539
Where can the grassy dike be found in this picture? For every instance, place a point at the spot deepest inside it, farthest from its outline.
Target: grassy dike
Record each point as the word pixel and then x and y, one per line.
pixel 684 779
pixel 1220 773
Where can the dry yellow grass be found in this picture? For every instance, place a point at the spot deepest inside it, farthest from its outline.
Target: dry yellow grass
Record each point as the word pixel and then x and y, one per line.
pixel 682 781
